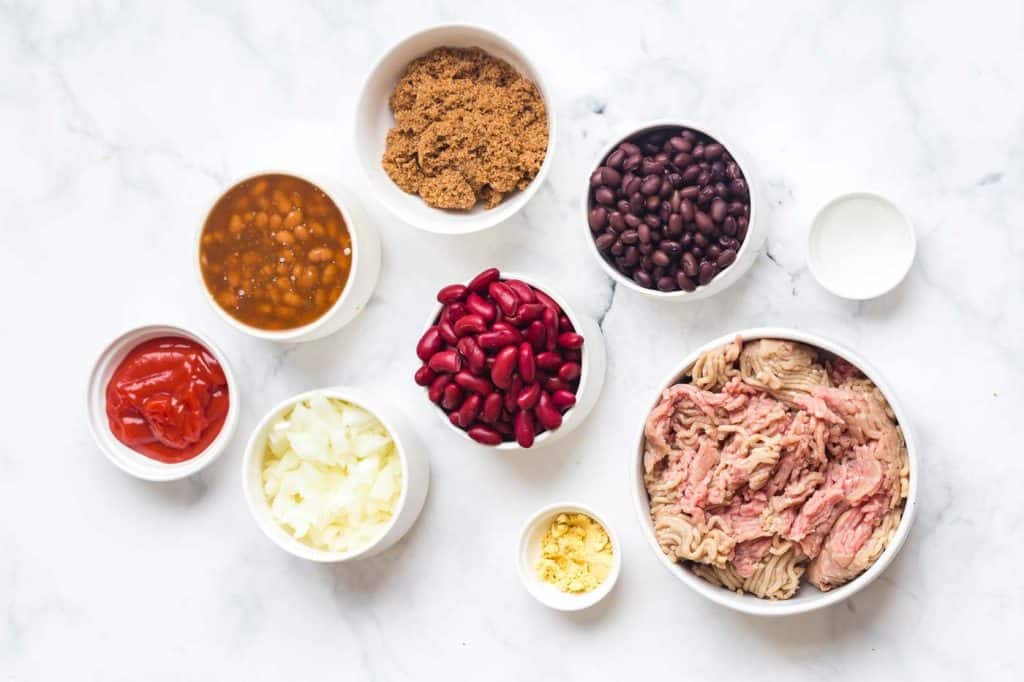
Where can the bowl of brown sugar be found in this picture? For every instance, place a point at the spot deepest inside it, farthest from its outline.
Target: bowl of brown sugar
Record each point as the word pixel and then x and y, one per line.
pixel 453 129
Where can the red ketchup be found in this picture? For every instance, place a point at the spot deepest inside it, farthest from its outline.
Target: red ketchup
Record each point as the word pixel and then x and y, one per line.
pixel 167 399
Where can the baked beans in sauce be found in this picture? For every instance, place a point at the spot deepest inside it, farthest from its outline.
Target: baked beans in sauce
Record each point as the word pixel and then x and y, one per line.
pixel 275 252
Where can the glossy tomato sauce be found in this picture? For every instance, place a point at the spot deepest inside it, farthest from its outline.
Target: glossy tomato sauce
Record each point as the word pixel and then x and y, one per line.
pixel 167 399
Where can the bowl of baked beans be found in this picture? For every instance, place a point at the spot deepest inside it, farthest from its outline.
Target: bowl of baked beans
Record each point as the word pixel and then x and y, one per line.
pixel 283 258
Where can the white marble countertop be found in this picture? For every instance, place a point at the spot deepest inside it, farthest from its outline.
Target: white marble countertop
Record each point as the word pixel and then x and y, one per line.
pixel 119 122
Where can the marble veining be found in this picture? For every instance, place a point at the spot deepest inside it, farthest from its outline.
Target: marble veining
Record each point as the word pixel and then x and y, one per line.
pixel 121 121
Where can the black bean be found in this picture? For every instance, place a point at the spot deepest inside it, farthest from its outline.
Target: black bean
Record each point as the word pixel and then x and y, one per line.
pixel 629 237
pixel 718 210
pixel 738 187
pixel 604 241
pixel 652 220
pixel 682 160
pixel 686 240
pixel 690 192
pixel 667 283
pixel 632 162
pixel 643 232
pixel 686 211
pixel 675 224
pixel 629 148
pixel 713 151
pixel 630 185
pixel 700 240
pixel 670 247
pixel 632 221
pixel 698 151
pixel 615 159
pixel 651 185
pixel 685 283
pixel 631 257
pixel 642 278
pixel 729 226
pixel 691 173
pixel 741 227
pixel 617 248
pixel 688 134
pixel 605 196
pixel 706 274
pixel 636 204
pixel 645 248
pixel 660 258
pixel 713 252
pixel 664 212
pixel 661 157
pixel 704 223
pixel 652 167
pixel 707 193
pixel 726 258
pixel 704 178
pixel 598 218
pixel 697 252
pixel 652 204
pixel 616 222
pixel 610 176
pixel 680 144
pixel 595 178
pixel 688 264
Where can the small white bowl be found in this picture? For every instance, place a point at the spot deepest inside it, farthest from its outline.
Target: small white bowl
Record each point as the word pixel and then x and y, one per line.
pixel 807 598
pixel 362 278
pixel 373 120
pixel 593 363
pixel 860 245
pixel 415 477
pixel 121 455
pixel 529 552
pixel 757 230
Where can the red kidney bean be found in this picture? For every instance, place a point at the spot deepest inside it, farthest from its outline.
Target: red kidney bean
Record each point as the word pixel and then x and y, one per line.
pixel 524 428
pixel 436 390
pixel 453 311
pixel 469 411
pixel 445 362
pixel 549 361
pixel 547 300
pixel 512 394
pixel 535 334
pixel 425 376
pixel 469 324
pixel 504 427
pixel 552 384
pixel 499 338
pixel 548 416
pixel 563 400
pixel 504 366
pixel 483 280
pixel 485 435
pixel 564 325
pixel 550 329
pixel 573 355
pixel 452 397
pixel 570 340
pixel 479 306
pixel 492 407
pixel 528 312
pixel 527 362
pixel 429 344
pixel 529 396
pixel 473 383
pixel 504 297
pixel 523 291
pixel 568 372
pixel 444 328
pixel 476 359
pixel 451 293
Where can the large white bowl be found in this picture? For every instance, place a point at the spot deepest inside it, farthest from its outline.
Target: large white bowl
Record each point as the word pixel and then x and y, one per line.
pixel 593 363
pixel 373 120
pixel 362 278
pixel 121 455
pixel 807 598
pixel 415 477
pixel 757 230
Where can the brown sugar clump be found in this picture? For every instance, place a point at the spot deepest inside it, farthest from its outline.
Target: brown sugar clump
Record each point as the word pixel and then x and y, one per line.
pixel 468 128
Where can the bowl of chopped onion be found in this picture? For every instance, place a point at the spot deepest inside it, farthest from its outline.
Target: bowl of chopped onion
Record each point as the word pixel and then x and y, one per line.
pixel 329 478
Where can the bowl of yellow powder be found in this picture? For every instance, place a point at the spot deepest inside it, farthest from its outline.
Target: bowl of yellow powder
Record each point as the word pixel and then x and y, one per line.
pixel 569 557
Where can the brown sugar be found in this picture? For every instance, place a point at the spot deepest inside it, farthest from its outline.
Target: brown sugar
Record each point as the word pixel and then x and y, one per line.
pixel 468 128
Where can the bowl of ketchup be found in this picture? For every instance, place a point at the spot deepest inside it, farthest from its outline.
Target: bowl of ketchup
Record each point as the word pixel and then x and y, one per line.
pixel 162 402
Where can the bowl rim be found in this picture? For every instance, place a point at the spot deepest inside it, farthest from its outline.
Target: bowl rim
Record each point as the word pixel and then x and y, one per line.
pixel 750 604
pixel 257 502
pixel 815 266
pixel 585 368
pixel 487 218
pixel 280 335
pixel 103 367
pixel 738 153
pixel 572 602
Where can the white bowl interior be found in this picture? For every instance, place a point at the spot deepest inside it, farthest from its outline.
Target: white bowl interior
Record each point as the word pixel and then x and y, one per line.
pixel 373 120
pixel 860 245
pixel 529 553
pixel 756 231
pixel 252 481
pixel 807 598
pixel 312 330
pixel 121 455
pixel 593 363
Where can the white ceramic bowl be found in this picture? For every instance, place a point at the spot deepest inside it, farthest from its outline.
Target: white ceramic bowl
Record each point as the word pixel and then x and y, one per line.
pixel 373 120
pixel 529 552
pixel 362 278
pixel 121 455
pixel 807 598
pixel 415 476
pixel 593 363
pixel 860 245
pixel 757 230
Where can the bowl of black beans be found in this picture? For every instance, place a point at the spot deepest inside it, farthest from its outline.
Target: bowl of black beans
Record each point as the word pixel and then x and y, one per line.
pixel 670 210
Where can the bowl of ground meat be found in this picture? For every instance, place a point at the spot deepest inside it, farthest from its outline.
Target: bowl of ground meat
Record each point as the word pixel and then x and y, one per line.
pixel 775 472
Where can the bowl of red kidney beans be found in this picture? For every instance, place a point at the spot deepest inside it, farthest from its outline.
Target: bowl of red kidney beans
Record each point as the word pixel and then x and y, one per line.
pixel 508 363
pixel 670 210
